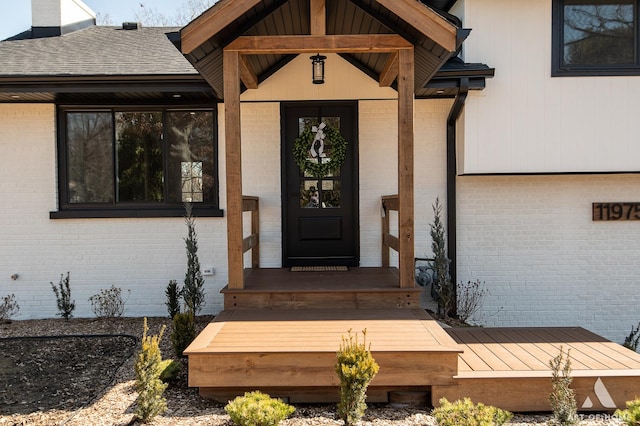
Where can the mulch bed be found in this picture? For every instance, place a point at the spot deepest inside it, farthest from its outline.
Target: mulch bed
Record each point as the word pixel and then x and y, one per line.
pixel 63 373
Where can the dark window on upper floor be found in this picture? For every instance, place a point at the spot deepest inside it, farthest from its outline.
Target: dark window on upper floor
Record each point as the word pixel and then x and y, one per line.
pixel 595 37
pixel 136 162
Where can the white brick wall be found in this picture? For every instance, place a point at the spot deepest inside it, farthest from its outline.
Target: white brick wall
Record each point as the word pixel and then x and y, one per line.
pixel 261 167
pixel 544 261
pixel 140 255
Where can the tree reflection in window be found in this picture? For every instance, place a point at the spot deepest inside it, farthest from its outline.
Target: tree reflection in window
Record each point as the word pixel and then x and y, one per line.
pixel 598 32
pixel 139 156
pixel 89 157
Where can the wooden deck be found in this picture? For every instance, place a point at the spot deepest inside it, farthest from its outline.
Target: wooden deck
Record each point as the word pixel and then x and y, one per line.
pixel 509 368
pixel 359 288
pixel 292 353
pixel 281 332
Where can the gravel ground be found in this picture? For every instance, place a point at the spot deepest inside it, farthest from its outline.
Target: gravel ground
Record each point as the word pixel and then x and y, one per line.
pixel 114 404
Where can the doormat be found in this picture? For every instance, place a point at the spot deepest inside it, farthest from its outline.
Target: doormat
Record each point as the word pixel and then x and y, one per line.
pixel 319 269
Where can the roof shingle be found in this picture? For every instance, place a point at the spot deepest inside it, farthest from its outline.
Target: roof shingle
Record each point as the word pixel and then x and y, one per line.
pixel 96 51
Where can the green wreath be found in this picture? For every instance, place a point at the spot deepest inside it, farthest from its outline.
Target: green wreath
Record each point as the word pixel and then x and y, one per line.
pixel 321 168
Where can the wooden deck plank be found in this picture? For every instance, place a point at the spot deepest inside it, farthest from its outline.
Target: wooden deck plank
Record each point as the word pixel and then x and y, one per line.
pixel 610 350
pixel 545 350
pixel 522 351
pixel 491 340
pixel 481 350
pixel 579 359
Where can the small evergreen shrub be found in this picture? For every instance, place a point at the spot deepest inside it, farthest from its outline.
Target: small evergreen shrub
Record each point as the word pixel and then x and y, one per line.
pixel 148 368
pixel 193 290
pixel 257 409
pixel 632 341
pixel 356 368
pixel 108 303
pixel 562 397
pixel 445 290
pixel 464 412
pixel 630 416
pixel 170 369
pixel 184 331
pixel 173 294
pixel 9 307
pixel 63 297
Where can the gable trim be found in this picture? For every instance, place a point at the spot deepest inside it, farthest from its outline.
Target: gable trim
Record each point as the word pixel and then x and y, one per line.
pixel 425 20
pixel 212 22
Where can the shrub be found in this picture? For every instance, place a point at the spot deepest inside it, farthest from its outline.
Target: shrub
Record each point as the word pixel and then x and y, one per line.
pixel 469 299
pixel 170 369
pixel 9 307
pixel 356 368
pixel 630 416
pixel 148 368
pixel 108 303
pixel 184 331
pixel 193 290
pixel 173 294
pixel 632 341
pixel 466 413
pixel 257 409
pixel 442 281
pixel 562 397
pixel 63 297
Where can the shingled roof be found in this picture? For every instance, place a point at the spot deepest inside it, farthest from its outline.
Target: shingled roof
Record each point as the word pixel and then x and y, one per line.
pixel 106 62
pixel 96 51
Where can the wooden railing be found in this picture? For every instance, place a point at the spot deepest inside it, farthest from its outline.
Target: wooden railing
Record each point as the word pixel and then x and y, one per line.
pixel 389 203
pixel 252 242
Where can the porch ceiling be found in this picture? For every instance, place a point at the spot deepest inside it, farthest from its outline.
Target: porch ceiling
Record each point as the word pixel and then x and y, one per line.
pixel 230 19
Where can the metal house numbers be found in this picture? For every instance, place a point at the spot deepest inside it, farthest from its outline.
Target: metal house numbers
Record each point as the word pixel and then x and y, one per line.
pixel 616 211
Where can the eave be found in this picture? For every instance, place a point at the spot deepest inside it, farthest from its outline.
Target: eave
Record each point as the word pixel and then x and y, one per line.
pixel 80 89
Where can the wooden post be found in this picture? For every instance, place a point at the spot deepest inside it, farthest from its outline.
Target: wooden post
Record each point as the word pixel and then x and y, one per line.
pixel 318 18
pixel 405 167
pixel 231 67
pixel 385 230
pixel 255 230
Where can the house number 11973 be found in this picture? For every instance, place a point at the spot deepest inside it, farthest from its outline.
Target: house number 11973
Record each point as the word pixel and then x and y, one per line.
pixel 616 211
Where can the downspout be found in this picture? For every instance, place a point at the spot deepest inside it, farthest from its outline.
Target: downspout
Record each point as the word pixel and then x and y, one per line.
pixel 452 172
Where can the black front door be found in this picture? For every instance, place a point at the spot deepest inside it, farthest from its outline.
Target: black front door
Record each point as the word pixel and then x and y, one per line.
pixel 320 206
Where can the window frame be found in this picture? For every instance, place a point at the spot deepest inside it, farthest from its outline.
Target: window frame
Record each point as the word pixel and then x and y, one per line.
pixel 68 210
pixel 558 69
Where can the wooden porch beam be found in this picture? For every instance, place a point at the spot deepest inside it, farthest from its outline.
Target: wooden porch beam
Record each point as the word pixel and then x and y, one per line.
pixel 390 70
pixel 318 17
pixel 405 168
pixel 234 169
pixel 425 20
pixel 247 74
pixel 212 22
pixel 359 43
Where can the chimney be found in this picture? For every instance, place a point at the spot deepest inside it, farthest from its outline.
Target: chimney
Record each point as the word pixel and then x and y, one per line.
pixel 51 18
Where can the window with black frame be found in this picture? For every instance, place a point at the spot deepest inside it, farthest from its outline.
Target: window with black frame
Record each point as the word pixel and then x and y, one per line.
pixel 147 162
pixel 595 37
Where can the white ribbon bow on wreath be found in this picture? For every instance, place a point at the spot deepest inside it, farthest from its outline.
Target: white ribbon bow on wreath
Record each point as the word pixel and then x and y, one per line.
pixel 319 131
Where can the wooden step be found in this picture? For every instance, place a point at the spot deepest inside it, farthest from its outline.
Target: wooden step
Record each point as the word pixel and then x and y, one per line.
pixel 294 352
pixel 357 288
